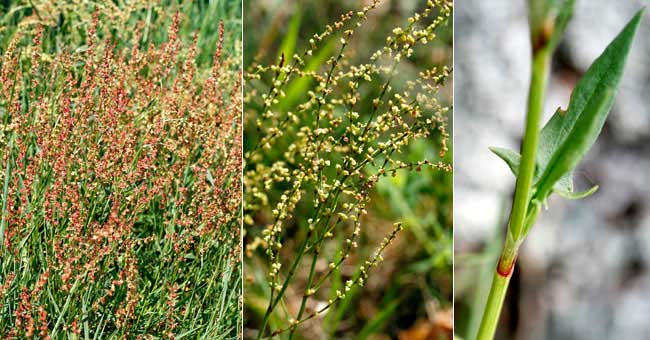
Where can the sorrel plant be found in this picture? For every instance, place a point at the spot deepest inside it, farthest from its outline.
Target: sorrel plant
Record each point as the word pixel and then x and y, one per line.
pixel 121 189
pixel 325 154
pixel 549 155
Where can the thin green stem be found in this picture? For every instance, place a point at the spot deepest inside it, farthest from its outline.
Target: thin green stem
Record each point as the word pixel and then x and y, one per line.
pixel 285 285
pixel 65 306
pixel 523 192
pixel 498 291
pixel 305 296
pixel 5 198
pixel 540 70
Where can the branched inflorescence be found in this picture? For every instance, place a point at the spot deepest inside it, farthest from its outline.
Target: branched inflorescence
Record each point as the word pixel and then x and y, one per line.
pixel 122 189
pixel 326 153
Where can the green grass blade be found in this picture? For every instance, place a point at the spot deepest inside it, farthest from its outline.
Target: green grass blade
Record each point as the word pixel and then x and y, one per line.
pixel 5 192
pixel 296 87
pixel 290 40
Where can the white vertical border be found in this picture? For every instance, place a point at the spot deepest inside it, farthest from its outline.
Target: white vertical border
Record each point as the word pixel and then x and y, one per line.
pixel 241 219
pixel 453 172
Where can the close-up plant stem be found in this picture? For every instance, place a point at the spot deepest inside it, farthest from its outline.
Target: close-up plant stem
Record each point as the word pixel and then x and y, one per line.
pixel 520 207
pixel 550 155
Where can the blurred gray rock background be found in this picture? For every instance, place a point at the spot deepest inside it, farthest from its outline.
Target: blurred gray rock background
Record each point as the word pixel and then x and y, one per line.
pixel 584 271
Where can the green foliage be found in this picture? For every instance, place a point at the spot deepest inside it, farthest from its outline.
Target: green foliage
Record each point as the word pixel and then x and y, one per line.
pixel 337 135
pixel 550 156
pixel 69 20
pixel 512 158
pixel 569 134
pixel 120 163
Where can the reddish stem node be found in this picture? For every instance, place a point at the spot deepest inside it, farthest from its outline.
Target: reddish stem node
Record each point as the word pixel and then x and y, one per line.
pixel 505 268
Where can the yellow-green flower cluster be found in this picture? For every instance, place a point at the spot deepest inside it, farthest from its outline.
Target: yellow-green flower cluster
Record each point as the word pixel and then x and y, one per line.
pixel 313 164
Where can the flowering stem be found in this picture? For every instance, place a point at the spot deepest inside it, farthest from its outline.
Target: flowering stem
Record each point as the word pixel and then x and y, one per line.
pixel 516 226
pixel 303 303
pixel 5 198
pixel 273 303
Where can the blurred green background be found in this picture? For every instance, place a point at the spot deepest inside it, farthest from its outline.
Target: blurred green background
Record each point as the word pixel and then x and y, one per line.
pixel 411 291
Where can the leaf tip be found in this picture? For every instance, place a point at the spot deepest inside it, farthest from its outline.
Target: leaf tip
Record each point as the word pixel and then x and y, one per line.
pixel 637 18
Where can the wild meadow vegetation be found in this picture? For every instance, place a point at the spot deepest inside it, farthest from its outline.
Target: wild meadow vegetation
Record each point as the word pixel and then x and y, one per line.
pixel 347 174
pixel 550 154
pixel 120 159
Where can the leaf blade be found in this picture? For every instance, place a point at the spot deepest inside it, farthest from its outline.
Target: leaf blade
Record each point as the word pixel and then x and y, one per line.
pixel 569 135
pixel 511 158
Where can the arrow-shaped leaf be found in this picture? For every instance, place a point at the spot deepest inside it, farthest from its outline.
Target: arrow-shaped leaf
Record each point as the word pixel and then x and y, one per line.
pixel 511 158
pixel 568 136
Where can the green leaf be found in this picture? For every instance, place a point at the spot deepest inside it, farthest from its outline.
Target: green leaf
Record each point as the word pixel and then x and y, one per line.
pixel 577 195
pixel 569 134
pixel 533 212
pixel 565 183
pixel 565 12
pixel 291 37
pixel 296 87
pixel 548 143
pixel 511 158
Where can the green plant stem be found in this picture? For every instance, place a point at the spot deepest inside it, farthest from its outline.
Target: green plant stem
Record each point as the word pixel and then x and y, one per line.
pixel 540 70
pixel 305 296
pixel 497 295
pixel 273 303
pixel 5 198
pixel 514 237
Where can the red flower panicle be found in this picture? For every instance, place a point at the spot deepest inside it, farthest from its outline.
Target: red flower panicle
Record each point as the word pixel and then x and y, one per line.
pixel 125 169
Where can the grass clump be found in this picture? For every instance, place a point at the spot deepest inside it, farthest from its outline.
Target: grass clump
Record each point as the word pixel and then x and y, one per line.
pixel 324 132
pixel 121 198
